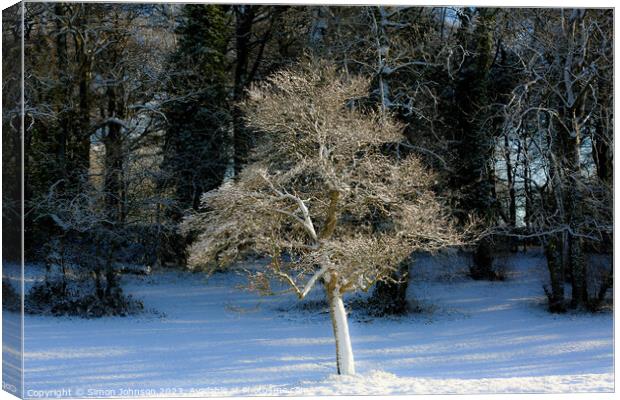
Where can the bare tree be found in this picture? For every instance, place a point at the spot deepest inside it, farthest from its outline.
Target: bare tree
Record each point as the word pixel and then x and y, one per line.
pixel 322 199
pixel 560 114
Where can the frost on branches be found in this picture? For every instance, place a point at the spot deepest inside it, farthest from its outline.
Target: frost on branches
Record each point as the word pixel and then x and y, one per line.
pixel 322 197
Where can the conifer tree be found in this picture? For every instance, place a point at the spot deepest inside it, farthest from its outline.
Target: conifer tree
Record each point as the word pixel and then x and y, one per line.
pixel 473 135
pixel 196 141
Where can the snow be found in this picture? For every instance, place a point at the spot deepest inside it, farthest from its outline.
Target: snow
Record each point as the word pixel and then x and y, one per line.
pixel 209 338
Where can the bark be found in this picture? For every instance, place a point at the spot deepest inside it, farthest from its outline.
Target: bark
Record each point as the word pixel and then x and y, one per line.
pixel 114 159
pixel 13 188
pixel 243 30
pixel 574 214
pixel 606 284
pixel 247 46
pixel 571 113
pixel 565 249
pixel 574 204
pixel 602 154
pixel 482 268
pixel 82 160
pixel 475 147
pixel 553 253
pixel 63 93
pixel 381 43
pixel 344 351
pixel 113 168
pixel 603 158
pixel 332 215
pixel 557 178
pixel 579 298
pixel 527 188
pixel 512 208
pixel 390 297
pixel 602 151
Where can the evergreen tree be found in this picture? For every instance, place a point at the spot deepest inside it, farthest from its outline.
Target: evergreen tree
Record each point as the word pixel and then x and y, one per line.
pixel 196 141
pixel 473 136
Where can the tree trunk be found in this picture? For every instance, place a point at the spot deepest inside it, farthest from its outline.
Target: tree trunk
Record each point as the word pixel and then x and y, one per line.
pixel 512 207
pixel 475 142
pixel 574 215
pixel 482 268
pixel 60 145
pixel 82 139
pixel 390 297
pixel 602 152
pixel 579 298
pixel 113 142
pixel 527 188
pixel 573 114
pixel 553 252
pixel 340 324
pixel 243 30
pixel 113 169
pixel 603 156
pixel 247 47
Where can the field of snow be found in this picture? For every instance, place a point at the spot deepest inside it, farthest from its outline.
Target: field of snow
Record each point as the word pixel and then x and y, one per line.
pixel 209 338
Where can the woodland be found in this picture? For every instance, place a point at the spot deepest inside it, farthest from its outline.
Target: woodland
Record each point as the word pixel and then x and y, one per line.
pixel 335 145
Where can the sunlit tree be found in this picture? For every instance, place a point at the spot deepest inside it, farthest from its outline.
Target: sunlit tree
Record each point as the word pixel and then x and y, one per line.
pixel 323 192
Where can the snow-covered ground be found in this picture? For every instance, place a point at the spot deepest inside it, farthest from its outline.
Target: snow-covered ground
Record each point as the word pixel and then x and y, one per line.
pixel 208 337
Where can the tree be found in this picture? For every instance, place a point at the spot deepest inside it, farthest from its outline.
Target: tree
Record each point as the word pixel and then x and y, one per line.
pixel 407 53
pixel 91 93
pixel 322 199
pixel 196 145
pixel 254 27
pixel 12 155
pixel 474 148
pixel 58 70
pixel 560 113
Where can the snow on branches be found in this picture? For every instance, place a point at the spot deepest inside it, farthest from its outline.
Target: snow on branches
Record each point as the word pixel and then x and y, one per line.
pixel 322 189
pixel 322 197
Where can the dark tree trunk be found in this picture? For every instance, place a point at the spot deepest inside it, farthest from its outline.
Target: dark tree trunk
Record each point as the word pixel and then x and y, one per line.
pixel 574 204
pixel 113 168
pixel 113 182
pixel 512 207
pixel 249 47
pixel 243 34
pixel 579 274
pixel 60 143
pixel 555 295
pixel 602 153
pixel 81 138
pixel 476 180
pixel 571 140
pixel 606 284
pixel 602 139
pixel 390 297
pixel 527 188
pixel 12 136
pixel 482 268
pixel 603 158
